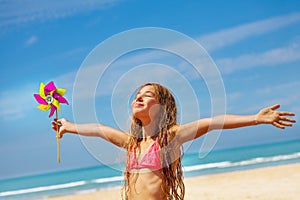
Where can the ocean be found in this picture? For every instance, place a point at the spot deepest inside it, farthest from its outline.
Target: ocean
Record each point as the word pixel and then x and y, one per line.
pixel 101 177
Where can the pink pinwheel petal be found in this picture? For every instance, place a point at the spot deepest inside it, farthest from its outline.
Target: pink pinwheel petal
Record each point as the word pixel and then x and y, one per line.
pixel 63 100
pixel 56 96
pixel 49 87
pixel 59 98
pixel 39 99
pixel 53 109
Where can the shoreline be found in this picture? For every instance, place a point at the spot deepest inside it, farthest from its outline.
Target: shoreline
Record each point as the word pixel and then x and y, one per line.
pixel 268 183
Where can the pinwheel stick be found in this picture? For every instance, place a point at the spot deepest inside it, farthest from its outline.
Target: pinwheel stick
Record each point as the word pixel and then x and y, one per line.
pixel 57 140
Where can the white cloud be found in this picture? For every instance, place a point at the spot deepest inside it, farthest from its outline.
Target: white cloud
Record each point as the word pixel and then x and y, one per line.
pixel 234 96
pixel 14 12
pixel 230 36
pixel 72 53
pixel 269 58
pixel 233 35
pixel 15 103
pixel 32 40
pixel 290 86
pixel 276 94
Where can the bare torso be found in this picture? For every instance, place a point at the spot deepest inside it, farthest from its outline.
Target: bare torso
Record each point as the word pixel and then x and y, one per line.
pixel 147 185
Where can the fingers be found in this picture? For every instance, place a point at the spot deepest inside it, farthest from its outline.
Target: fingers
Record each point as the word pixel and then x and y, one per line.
pixel 278 125
pixel 282 113
pixel 283 122
pixel 59 135
pixel 287 119
pixel 274 107
pixel 57 123
pixel 56 126
pixel 286 113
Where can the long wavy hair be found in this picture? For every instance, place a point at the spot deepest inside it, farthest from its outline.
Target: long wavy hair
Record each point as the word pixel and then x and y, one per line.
pixel 172 176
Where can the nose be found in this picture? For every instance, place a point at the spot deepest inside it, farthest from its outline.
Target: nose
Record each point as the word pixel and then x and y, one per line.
pixel 138 98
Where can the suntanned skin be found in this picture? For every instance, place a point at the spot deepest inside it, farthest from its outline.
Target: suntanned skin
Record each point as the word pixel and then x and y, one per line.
pixel 145 107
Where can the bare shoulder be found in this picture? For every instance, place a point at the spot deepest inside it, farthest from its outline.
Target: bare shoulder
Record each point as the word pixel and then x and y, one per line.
pixel 174 128
pixel 192 130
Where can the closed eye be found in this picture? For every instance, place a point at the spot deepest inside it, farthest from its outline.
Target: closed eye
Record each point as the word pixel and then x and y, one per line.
pixel 146 94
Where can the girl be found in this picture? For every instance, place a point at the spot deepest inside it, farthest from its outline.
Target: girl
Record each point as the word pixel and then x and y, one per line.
pixel 153 164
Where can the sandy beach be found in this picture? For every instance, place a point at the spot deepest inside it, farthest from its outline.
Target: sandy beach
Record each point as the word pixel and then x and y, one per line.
pixel 270 183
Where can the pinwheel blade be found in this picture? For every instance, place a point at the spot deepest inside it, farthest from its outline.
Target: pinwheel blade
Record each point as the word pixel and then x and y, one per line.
pixel 53 109
pixel 40 99
pixel 60 98
pixel 56 104
pixel 49 87
pixel 44 107
pixel 61 91
pixel 63 100
pixel 42 91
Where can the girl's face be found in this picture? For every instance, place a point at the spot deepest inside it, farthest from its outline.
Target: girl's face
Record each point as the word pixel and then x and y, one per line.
pixel 145 105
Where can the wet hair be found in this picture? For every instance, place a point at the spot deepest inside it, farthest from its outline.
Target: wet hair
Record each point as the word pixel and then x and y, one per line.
pixel 172 176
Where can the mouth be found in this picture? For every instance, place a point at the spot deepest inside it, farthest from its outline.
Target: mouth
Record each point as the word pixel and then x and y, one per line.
pixel 138 104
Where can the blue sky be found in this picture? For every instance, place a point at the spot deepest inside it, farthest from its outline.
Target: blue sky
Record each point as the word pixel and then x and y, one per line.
pixel 255 45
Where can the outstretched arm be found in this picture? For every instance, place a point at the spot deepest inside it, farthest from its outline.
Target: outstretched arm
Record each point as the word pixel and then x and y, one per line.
pixel 110 134
pixel 267 115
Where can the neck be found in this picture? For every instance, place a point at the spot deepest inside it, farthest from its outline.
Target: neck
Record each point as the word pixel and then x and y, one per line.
pixel 149 130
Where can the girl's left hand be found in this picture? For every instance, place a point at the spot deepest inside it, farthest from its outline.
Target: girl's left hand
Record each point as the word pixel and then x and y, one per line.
pixel 278 119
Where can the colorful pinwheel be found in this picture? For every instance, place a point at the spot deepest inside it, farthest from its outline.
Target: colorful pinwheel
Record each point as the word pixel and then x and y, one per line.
pixel 50 97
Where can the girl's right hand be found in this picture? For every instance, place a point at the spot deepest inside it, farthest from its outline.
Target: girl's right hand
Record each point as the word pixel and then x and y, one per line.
pixel 61 125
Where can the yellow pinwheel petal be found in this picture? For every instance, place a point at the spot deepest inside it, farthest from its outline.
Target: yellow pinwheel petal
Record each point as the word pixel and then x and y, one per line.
pixel 41 91
pixel 61 91
pixel 56 104
pixel 44 107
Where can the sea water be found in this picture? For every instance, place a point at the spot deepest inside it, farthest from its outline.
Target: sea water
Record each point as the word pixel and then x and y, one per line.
pixel 102 177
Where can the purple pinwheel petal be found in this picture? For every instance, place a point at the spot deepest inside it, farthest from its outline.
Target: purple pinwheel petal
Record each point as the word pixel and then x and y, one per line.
pixel 49 87
pixel 60 98
pixel 53 108
pixel 40 99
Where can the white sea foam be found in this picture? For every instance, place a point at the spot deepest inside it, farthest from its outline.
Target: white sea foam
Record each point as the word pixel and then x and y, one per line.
pixel 107 180
pixel 60 186
pixel 43 188
pixel 206 166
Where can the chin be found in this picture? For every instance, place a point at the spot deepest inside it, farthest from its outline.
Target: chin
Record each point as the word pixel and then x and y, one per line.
pixel 140 115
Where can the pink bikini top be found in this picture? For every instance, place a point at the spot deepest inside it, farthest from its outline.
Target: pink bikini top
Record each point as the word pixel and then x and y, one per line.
pixel 149 160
